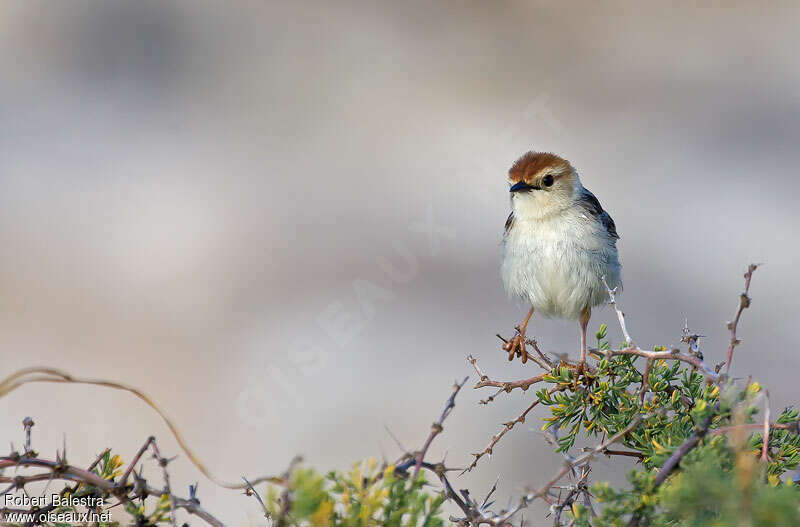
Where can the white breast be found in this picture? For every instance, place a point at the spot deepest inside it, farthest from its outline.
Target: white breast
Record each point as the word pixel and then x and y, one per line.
pixel 557 263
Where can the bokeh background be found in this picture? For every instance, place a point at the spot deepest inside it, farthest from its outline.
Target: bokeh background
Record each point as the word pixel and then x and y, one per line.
pixel 283 220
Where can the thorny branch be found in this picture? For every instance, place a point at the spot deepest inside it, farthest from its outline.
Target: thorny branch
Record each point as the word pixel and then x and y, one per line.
pixel 497 437
pixel 251 491
pixel 436 427
pixel 507 386
pixel 794 427
pixel 87 479
pixel 479 513
pixel 580 488
pixel 744 303
pixel 633 349
pixel 162 461
pixel 673 354
pixel 475 513
pixel 568 467
pixel 693 358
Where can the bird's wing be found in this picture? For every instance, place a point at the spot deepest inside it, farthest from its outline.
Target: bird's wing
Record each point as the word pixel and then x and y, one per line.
pixel 509 224
pixel 590 204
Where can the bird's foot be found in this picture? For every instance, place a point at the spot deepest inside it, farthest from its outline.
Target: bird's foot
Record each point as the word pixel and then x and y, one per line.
pixel 516 346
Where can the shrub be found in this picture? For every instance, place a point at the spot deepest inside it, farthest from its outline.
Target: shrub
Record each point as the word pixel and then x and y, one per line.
pixel 705 455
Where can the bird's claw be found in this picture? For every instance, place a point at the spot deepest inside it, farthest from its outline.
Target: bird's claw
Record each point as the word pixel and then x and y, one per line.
pixel 516 347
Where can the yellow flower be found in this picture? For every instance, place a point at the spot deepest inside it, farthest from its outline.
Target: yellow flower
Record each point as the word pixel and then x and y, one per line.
pixel 114 465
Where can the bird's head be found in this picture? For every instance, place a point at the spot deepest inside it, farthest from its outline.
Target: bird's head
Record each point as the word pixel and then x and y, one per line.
pixel 541 184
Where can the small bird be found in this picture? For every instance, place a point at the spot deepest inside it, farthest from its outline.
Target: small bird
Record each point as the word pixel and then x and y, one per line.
pixel 558 245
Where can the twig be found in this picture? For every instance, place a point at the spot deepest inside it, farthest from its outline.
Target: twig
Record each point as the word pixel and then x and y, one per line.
pixel 437 426
pixel 548 364
pixel 625 453
pixel 98 459
pixel 193 507
pixel 27 424
pixel 744 303
pixel 61 471
pixel 496 438
pixel 674 460
pixel 475 513
pixel 794 426
pixel 529 498
pixel 633 349
pixel 612 294
pixel 251 491
pixel 162 461
pixel 574 492
pixel 484 381
pixel 394 437
pixel 136 458
pixel 673 354
pixel 646 378
pixel 491 397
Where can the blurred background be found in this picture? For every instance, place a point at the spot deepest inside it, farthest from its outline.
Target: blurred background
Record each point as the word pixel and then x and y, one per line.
pixel 283 220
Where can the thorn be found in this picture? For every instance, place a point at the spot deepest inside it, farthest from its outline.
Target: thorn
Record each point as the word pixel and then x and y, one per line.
pixel 397 441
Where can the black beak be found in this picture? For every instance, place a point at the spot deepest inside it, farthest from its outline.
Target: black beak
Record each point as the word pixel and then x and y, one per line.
pixel 523 187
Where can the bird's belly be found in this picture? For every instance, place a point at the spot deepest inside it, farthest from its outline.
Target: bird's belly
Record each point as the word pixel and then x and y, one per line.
pixel 559 275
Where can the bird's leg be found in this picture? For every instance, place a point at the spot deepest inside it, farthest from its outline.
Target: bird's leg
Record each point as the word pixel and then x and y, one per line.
pixel 585 315
pixel 516 346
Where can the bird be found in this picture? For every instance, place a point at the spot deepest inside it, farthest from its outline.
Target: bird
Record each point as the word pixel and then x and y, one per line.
pixel 559 246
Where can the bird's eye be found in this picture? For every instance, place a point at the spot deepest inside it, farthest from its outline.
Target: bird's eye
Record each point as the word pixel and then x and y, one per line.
pixel 547 181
